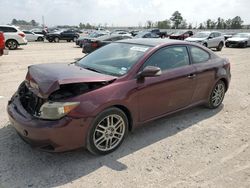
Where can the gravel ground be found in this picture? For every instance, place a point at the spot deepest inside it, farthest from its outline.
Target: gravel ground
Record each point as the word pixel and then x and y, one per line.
pixel 194 148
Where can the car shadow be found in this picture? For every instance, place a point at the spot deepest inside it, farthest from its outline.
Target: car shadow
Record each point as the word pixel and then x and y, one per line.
pixel 24 166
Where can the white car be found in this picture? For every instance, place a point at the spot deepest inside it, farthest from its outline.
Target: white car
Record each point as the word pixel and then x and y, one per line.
pixel 210 39
pixel 239 40
pixel 31 36
pixel 13 36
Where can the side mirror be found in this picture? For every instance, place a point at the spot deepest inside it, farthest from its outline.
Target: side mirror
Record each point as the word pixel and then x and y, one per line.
pixel 149 71
pixel 210 37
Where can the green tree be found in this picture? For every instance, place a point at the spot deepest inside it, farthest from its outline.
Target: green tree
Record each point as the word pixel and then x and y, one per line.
pixel 165 24
pixel 149 24
pixel 176 19
pixel 14 22
pixel 190 26
pixel 183 24
pixel 236 23
pixel 34 23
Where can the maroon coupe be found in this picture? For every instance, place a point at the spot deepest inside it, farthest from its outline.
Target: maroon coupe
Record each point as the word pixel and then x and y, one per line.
pixel 94 102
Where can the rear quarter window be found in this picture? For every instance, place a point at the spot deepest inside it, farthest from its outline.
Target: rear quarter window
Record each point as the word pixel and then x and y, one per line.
pixel 199 55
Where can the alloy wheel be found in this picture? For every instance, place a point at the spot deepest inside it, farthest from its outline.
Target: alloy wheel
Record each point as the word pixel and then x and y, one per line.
pixel 12 45
pixel 218 94
pixel 109 132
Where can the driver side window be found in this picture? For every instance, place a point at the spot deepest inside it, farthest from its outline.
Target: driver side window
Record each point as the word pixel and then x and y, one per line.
pixel 169 58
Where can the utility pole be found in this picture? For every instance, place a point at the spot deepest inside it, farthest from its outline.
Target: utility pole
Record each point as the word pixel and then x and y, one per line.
pixel 43 22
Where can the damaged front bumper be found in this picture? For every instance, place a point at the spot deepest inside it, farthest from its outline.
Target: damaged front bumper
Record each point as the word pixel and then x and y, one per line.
pixel 50 135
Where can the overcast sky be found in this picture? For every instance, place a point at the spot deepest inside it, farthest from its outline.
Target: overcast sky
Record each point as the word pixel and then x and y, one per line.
pixel 120 12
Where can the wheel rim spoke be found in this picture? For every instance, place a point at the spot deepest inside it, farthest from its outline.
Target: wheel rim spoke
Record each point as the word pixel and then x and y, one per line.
pixel 109 132
pixel 218 94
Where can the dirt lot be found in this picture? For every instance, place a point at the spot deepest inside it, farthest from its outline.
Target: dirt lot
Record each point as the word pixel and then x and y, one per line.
pixel 194 148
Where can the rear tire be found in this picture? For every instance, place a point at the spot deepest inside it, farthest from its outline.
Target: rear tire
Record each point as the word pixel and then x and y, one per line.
pixel 217 95
pixel 11 44
pixel 107 131
pixel 56 39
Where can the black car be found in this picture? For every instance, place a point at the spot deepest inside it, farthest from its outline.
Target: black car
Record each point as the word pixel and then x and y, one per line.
pixel 68 35
pixel 146 34
pixel 82 40
pixel 158 32
pixel 96 43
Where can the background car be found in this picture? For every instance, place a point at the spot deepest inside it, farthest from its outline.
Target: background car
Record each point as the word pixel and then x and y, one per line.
pixel 3 51
pixel 69 35
pixel 31 36
pixel 209 39
pixel 96 43
pixel 124 33
pixel 157 31
pixel 146 34
pixel 94 102
pixel 238 40
pixel 229 35
pixel 181 35
pixel 13 36
pixel 82 40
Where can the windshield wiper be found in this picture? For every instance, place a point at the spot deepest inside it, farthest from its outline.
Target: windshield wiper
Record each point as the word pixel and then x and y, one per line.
pixel 92 69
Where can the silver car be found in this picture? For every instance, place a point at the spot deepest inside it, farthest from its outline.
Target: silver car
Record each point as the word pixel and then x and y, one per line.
pixel 210 39
pixel 239 40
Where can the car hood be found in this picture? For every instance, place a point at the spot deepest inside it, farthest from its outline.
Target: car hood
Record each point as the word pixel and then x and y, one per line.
pixel 237 39
pixel 191 39
pixel 43 79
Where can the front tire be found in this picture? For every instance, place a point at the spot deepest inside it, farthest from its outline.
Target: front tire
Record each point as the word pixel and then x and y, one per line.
pixel 220 46
pixel 74 39
pixel 107 131
pixel 11 44
pixel 217 95
pixel 40 39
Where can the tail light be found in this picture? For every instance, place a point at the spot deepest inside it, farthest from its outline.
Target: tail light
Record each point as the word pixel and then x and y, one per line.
pixel 94 44
pixel 21 34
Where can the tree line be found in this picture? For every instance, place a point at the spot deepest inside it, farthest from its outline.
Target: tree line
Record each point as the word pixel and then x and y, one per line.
pixel 24 22
pixel 176 21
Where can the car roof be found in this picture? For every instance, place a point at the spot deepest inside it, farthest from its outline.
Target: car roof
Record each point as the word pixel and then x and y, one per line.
pixel 8 26
pixel 152 41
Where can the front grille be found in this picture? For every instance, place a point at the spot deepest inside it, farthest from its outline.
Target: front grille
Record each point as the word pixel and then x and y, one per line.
pixel 31 102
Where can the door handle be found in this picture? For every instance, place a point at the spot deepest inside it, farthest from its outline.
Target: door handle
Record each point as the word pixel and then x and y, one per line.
pixel 191 76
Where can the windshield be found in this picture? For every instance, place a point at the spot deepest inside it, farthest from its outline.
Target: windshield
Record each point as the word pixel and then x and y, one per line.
pixel 115 59
pixel 201 35
pixel 241 35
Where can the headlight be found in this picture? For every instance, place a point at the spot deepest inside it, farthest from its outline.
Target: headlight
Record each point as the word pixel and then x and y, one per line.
pixel 56 110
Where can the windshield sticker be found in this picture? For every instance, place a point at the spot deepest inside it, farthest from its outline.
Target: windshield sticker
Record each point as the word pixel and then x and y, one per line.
pixel 140 49
pixel 124 68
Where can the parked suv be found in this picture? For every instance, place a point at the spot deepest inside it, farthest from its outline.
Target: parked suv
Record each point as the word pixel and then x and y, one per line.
pixel 2 45
pixel 68 35
pixel 210 39
pixel 13 37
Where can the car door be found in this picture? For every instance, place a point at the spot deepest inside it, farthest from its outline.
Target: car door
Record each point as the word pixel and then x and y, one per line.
pixel 211 41
pixel 173 89
pixel 205 73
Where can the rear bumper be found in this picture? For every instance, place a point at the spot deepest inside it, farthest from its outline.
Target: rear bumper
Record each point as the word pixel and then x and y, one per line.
pixel 53 136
